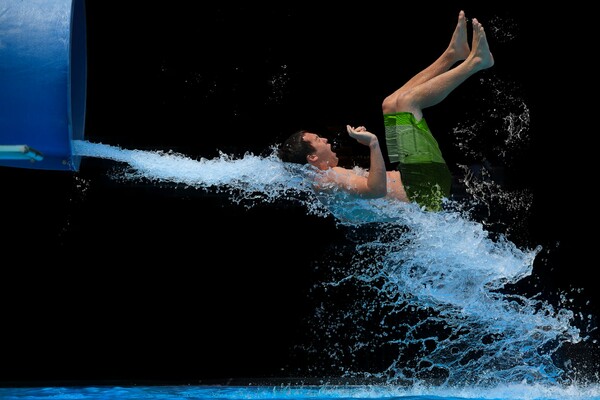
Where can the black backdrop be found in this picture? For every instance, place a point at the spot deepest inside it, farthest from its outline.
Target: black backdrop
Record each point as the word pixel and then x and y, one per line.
pixel 104 280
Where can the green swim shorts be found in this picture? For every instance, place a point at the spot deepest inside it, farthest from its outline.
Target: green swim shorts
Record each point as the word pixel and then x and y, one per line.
pixel 425 175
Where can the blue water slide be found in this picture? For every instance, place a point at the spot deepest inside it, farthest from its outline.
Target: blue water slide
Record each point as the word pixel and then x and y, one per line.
pixel 43 74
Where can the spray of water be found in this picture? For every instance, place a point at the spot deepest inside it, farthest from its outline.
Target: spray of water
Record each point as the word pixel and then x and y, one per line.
pixel 424 298
pixel 428 306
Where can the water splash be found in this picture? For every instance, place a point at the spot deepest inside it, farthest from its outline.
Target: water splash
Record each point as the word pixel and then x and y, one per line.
pixel 503 134
pixel 414 298
pixel 432 295
pixel 245 180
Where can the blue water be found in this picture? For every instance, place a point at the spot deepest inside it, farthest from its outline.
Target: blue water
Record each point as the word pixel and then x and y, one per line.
pixel 507 392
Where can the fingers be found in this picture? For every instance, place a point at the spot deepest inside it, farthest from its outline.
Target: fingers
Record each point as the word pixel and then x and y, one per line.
pixel 351 129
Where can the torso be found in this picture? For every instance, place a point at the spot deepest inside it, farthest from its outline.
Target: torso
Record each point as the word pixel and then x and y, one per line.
pixel 395 188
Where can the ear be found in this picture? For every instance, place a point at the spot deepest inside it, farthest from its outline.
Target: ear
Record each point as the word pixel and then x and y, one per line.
pixel 311 158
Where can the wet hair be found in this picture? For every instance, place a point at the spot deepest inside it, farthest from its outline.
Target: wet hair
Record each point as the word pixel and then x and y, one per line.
pixel 294 149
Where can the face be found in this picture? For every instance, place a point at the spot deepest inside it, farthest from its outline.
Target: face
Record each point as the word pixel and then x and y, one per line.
pixel 323 157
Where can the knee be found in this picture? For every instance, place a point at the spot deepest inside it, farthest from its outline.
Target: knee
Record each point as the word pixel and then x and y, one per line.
pixel 396 102
pixel 387 105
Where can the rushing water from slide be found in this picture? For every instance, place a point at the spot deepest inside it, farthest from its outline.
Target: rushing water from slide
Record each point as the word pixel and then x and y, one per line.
pixel 432 290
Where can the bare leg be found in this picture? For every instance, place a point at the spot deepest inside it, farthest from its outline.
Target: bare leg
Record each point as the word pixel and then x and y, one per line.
pixel 457 50
pixel 433 84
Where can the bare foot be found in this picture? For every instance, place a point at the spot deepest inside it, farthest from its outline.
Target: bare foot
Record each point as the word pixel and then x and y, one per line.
pixel 459 47
pixel 480 53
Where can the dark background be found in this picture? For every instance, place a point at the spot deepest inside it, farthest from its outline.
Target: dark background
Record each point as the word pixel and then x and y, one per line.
pixel 105 280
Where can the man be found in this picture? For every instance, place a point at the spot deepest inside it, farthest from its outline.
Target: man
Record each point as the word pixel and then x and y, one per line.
pixel 422 175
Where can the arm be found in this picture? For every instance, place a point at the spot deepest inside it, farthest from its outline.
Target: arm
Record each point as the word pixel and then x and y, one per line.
pixel 377 179
pixel 375 184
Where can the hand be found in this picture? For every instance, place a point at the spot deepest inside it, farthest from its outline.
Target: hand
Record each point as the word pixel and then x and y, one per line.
pixel 361 135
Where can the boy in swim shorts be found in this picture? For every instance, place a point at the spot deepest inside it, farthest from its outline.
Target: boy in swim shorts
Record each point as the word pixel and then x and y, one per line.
pixel 422 175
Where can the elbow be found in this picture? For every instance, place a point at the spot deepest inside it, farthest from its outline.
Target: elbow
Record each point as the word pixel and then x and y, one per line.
pixel 381 193
pixel 377 192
